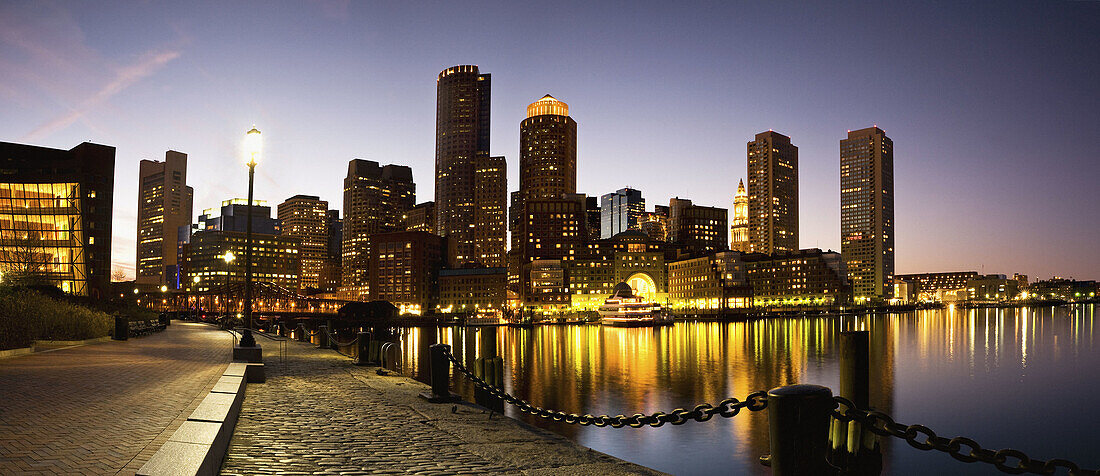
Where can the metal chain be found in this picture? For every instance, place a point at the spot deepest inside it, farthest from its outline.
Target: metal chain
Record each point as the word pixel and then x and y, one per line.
pixel 961 448
pixel 727 408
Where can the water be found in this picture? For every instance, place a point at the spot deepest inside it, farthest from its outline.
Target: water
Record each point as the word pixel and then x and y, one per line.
pixel 1008 378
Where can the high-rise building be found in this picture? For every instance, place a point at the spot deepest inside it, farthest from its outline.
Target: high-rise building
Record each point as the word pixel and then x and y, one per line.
pixel 470 187
pixel 274 260
pixel 376 200
pixel 698 230
pixel 421 217
pixel 164 205
pixel 305 217
pixel 739 230
pixel 621 210
pixel 867 212
pixel 55 216
pixel 330 272
pixel 773 193
pixel 404 269
pixel 234 214
pixel 595 216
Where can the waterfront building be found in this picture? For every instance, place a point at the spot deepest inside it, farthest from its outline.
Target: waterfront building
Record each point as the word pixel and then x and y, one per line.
pixel 1021 280
pixel 234 214
pixel 630 257
pixel 773 193
pixel 703 283
pixel 305 217
pixel 739 230
pixel 803 277
pixel 547 291
pixel 595 216
pixel 654 225
pixel 164 205
pixel 620 211
pixel 905 292
pixel 867 212
pixel 275 260
pixel 329 280
pixel 55 216
pixel 470 186
pixel 552 230
pixel 992 287
pixel 404 269
pixel 1064 289
pixel 421 217
pixel 479 291
pixel 926 285
pixel 547 159
pixel 376 200
pixel 696 229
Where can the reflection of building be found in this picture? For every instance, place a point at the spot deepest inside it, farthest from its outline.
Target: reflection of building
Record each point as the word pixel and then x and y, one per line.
pixel 479 290
pixel 630 257
pixel 928 284
pixel 305 218
pixel 696 229
pixel 274 259
pixel 773 193
pixel 739 230
pixel 55 216
pixel 404 269
pixel 867 211
pixel 421 218
pixel 164 205
pixel 992 287
pixel 376 199
pixel 620 211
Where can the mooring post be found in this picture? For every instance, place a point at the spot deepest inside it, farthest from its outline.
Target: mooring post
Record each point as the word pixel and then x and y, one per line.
pixel 439 374
pixel 362 344
pixel 303 334
pixel 798 425
pixel 122 328
pixel 322 336
pixel 853 446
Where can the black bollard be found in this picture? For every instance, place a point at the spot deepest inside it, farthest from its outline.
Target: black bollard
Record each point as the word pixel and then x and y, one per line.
pixel 798 426
pixel 852 446
pixel 322 336
pixel 122 328
pixel 362 343
pixel 439 376
pixel 303 334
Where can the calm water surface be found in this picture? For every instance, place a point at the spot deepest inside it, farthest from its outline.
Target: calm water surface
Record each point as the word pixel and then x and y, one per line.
pixel 1019 378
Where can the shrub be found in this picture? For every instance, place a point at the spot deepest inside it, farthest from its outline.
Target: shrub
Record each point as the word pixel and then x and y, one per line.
pixel 28 315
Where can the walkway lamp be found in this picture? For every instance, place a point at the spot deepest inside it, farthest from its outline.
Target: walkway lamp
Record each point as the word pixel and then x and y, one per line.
pixel 228 257
pixel 252 147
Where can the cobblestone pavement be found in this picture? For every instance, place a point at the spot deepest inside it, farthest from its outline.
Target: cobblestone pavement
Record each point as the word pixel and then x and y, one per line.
pixel 104 408
pixel 323 415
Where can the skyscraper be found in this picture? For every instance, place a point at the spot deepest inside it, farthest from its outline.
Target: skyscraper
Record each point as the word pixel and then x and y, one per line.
pixel 867 212
pixel 620 211
pixel 164 205
pixel 375 201
pixel 470 191
pixel 739 230
pixel 773 193
pixel 304 217
pixel 698 230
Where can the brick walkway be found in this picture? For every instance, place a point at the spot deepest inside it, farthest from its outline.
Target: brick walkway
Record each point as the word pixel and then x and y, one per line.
pixel 104 408
pixel 323 415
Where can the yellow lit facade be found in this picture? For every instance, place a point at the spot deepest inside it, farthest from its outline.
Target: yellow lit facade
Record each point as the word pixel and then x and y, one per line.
pixel 547 106
pixel 42 235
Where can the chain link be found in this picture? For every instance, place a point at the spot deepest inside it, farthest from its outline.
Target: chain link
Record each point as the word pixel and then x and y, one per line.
pixel 961 448
pixel 727 408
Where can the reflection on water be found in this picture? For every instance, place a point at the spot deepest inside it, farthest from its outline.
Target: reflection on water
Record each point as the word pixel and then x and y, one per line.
pixel 1020 378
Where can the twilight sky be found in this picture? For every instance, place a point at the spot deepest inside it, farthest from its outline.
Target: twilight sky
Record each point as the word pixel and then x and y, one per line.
pixel 994 107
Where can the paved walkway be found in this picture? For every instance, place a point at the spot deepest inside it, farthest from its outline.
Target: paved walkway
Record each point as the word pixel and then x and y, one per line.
pixel 104 408
pixel 323 415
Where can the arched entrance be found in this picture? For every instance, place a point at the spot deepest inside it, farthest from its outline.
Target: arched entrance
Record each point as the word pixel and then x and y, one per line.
pixel 643 286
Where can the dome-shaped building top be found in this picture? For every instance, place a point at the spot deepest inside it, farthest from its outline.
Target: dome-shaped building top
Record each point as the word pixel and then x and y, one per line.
pixel 623 290
pixel 548 105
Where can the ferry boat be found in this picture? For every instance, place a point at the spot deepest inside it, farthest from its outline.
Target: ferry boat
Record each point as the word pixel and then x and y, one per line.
pixel 624 309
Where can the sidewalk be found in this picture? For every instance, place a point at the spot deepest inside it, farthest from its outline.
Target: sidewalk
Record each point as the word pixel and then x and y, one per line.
pixel 104 408
pixel 324 415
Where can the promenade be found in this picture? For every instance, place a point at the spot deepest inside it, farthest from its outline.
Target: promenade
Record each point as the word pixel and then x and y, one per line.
pixel 324 415
pixel 104 408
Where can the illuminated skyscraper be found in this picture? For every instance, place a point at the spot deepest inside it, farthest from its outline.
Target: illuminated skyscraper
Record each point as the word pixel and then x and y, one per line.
pixel 164 205
pixel 867 212
pixel 739 231
pixel 621 211
pixel 305 218
pixel 773 194
pixel 470 188
pixel 376 199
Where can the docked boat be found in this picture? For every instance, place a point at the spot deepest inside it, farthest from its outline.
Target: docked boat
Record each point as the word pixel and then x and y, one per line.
pixel 624 309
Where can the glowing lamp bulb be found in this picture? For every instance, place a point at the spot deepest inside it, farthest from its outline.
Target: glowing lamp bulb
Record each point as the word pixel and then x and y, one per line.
pixel 253 145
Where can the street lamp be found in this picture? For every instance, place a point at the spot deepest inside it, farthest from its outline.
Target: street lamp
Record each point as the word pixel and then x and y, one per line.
pixel 228 257
pixel 192 309
pixel 252 147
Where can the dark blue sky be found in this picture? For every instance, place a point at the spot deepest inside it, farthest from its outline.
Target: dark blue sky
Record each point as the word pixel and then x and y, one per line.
pixel 994 107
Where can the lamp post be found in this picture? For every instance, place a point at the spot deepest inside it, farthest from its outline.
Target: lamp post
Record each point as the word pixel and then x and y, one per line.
pixel 252 146
pixel 193 310
pixel 228 257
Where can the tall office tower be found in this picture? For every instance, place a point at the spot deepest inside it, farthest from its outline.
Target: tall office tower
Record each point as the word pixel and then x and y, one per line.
pixel 330 272
pixel 621 211
pixel 773 194
pixel 461 150
pixel 490 215
pixel 698 230
pixel 164 205
pixel 421 218
pixel 376 200
pixel 739 230
pixel 592 208
pixel 305 217
pixel 547 158
pixel 867 212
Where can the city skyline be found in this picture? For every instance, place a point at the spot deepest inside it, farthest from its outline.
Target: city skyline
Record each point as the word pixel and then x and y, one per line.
pixel 970 192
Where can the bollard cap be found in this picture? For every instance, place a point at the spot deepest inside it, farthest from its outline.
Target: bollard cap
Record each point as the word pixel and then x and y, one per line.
pixel 801 390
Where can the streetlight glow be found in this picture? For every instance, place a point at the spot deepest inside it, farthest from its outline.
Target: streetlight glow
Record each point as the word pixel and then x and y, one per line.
pixel 228 257
pixel 252 145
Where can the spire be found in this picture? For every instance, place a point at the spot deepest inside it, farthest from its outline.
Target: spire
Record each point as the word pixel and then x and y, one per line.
pixel 741 188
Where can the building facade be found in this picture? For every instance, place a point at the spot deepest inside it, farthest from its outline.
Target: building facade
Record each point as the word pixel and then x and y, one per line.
pixel 376 200
pixel 808 277
pixel 491 215
pixel 739 229
pixel 630 257
pixel 234 217
pixel 867 212
pixel 475 291
pixel 421 218
pixel 926 285
pixel 620 211
pixel 697 230
pixel 404 269
pixel 164 205
pixel 275 260
pixel 547 158
pixel 714 282
pixel 305 217
pixel 55 216
pixel 773 193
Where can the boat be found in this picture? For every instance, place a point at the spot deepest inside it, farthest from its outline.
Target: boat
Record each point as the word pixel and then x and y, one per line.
pixel 624 309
